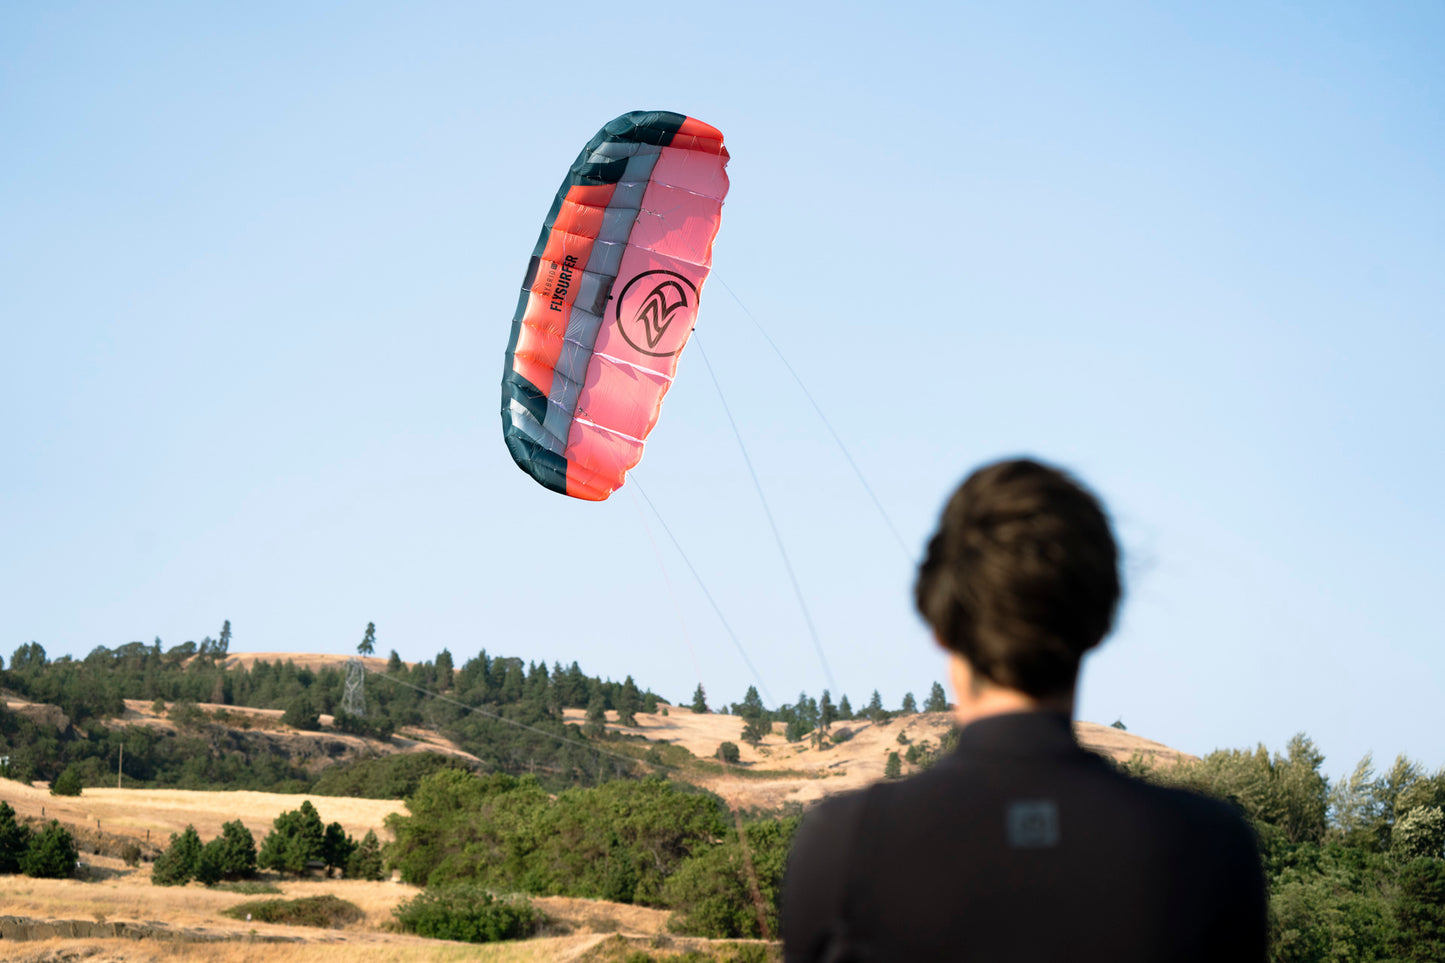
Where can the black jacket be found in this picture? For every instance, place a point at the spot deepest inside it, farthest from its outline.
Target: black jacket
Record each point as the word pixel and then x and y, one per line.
pixel 1021 846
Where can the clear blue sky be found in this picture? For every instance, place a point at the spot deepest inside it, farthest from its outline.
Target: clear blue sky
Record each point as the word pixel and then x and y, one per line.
pixel 258 263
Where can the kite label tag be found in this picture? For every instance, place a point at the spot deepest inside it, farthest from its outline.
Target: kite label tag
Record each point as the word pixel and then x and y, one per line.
pixel 655 312
pixel 1033 824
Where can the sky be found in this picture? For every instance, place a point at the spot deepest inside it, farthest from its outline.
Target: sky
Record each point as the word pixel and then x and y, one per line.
pixel 258 265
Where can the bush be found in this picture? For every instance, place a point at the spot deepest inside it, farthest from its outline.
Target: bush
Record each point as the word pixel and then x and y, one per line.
pixel 178 865
pixel 728 752
pixel 248 887
pixel 130 853
pixel 388 777
pixel 469 914
pixel 67 783
pixel 51 853
pixel 327 911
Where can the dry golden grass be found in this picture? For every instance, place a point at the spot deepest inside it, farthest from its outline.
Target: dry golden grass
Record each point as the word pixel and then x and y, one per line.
pixel 399 950
pixel 839 767
pixel 164 811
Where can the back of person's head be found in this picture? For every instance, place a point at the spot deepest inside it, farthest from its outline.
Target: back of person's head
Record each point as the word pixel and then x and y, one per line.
pixel 1021 578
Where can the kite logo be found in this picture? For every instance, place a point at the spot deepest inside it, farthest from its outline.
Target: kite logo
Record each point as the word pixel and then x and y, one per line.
pixel 648 312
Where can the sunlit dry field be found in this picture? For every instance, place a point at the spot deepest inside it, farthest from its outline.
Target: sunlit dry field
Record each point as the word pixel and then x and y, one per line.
pixel 161 812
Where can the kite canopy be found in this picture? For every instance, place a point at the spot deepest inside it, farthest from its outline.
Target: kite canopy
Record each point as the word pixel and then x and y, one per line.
pixel 610 298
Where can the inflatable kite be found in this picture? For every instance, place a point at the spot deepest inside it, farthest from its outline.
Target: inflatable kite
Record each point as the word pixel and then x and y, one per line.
pixel 610 298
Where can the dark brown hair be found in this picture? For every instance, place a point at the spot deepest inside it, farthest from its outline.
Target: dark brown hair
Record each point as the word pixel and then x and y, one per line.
pixel 1022 576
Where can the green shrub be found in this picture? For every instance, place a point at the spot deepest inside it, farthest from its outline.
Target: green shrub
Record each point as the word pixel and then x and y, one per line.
pixel 51 853
pixel 248 887
pixel 468 914
pixel 327 911
pixel 67 783
pixel 728 752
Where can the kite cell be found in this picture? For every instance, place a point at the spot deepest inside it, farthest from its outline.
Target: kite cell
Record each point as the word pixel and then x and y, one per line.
pixel 610 298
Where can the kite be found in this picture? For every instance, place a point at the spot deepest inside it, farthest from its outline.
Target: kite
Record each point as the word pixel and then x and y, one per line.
pixel 610 298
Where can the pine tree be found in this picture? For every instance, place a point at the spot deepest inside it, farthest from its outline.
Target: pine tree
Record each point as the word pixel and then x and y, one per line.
pixel 297 836
pixel 937 701
pixel 14 839
pixel 446 672
pixel 628 702
pixel 368 641
pixel 894 767
pixel 909 706
pixel 366 862
pixel 223 644
pixel 177 866
pixel 51 853
pixel 827 713
pixel 845 709
pixel 699 700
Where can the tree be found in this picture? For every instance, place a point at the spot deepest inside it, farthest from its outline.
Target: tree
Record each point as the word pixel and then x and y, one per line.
pixel 1420 832
pixel 629 700
pixel 365 861
pixel 875 709
pixel 1119 724
pixel 894 768
pixel 368 641
pixel 1420 910
pixel 446 670
pixel 755 730
pixel 337 847
pixel 67 783
pixel 223 644
pixel 595 721
pixel 297 837
pixel 699 700
pixel 751 706
pixel 51 853
pixel 728 752
pixel 14 839
pixel 845 709
pixel 827 712
pixel 179 864
pixel 235 851
pixel 937 701
pixel 301 714
pixel 909 705
pixel 28 657
pixel 394 665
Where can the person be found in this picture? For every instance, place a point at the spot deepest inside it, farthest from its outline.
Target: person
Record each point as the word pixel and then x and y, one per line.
pixel 1020 845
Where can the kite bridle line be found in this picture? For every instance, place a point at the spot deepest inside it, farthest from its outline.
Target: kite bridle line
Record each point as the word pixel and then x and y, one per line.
pixel 686 636
pixel 737 643
pixel 772 524
pixel 877 503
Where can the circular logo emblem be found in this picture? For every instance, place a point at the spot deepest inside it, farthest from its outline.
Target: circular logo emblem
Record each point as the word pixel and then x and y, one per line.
pixel 654 312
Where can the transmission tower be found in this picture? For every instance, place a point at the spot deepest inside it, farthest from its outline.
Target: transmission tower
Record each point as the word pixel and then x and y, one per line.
pixel 353 700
